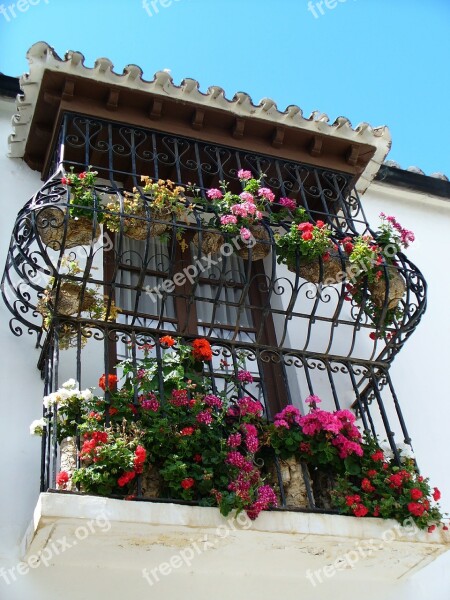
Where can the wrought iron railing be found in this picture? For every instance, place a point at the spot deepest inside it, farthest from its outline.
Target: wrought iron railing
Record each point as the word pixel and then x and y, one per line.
pixel 299 338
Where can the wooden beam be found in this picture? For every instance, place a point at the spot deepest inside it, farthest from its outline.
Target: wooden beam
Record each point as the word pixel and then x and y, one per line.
pixel 197 119
pixel 238 128
pixel 112 102
pixel 278 137
pixel 352 155
pixel 155 112
pixel 316 146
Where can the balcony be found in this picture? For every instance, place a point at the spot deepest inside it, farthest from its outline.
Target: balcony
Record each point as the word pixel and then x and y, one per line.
pixel 101 301
pixel 169 541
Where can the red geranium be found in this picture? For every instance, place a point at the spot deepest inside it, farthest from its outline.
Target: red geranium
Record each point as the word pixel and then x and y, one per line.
pixel 366 486
pixel 416 494
pixel 360 510
pixel 187 483
pixel 201 349
pixel 436 494
pixel 168 341
pixel 140 454
pixel 187 431
pixel 112 382
pixel 416 509
pixel 126 478
pixel 378 456
pixel 62 479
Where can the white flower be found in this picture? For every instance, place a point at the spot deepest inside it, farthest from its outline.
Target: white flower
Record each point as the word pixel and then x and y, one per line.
pixel 70 384
pixel 37 426
pixel 50 400
pixel 387 450
pixel 86 394
pixel 405 451
pixel 59 397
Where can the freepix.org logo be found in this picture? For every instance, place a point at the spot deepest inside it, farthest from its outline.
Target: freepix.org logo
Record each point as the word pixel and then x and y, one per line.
pixel 317 9
pixel 14 10
pixel 152 7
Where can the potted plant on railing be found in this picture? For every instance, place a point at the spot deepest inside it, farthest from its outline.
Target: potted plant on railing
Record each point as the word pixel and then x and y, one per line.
pixel 327 442
pixel 307 249
pixel 240 215
pixel 51 221
pixel 70 298
pixel 372 260
pixel 380 487
pixel 147 213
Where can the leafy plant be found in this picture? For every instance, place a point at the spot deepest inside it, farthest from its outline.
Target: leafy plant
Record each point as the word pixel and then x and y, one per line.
pixel 303 241
pixel 82 194
pixel 322 439
pixel 162 196
pixel 237 213
pixel 382 488
pixel 372 260
pixel 73 297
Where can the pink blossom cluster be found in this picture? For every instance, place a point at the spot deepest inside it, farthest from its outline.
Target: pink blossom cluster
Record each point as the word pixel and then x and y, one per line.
pixel 266 499
pixel 338 425
pixel 179 398
pixel 266 193
pixel 241 486
pixel 212 401
pixel 214 194
pixel 245 377
pixel 238 460
pixel 149 402
pixel 234 440
pixel 204 417
pixel 245 233
pixel 247 406
pixel 244 175
pixel 290 415
pixel 288 203
pixel 406 236
pixel 228 220
pixel 251 437
pixel 246 209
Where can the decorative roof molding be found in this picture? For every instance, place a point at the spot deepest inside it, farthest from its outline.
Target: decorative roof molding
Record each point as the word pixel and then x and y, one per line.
pixel 41 57
pixel 395 165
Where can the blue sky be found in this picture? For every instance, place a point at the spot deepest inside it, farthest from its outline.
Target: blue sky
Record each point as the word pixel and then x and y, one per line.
pixel 380 61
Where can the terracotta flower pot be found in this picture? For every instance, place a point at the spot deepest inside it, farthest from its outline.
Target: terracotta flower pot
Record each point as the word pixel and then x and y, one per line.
pixel 331 270
pixel 379 293
pixel 50 223
pixel 140 228
pixel 211 242
pixel 262 247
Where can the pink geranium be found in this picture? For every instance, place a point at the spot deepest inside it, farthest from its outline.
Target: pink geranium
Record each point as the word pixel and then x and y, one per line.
pixel 214 194
pixel 244 175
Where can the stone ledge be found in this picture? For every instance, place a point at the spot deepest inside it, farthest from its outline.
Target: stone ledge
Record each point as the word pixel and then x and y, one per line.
pixel 141 535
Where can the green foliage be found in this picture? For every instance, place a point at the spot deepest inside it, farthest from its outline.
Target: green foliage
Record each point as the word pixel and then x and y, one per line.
pixel 304 241
pixel 82 194
pixel 378 485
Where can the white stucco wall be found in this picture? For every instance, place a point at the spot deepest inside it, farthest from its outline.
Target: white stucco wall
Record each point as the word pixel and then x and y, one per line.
pixel 420 374
pixel 19 459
